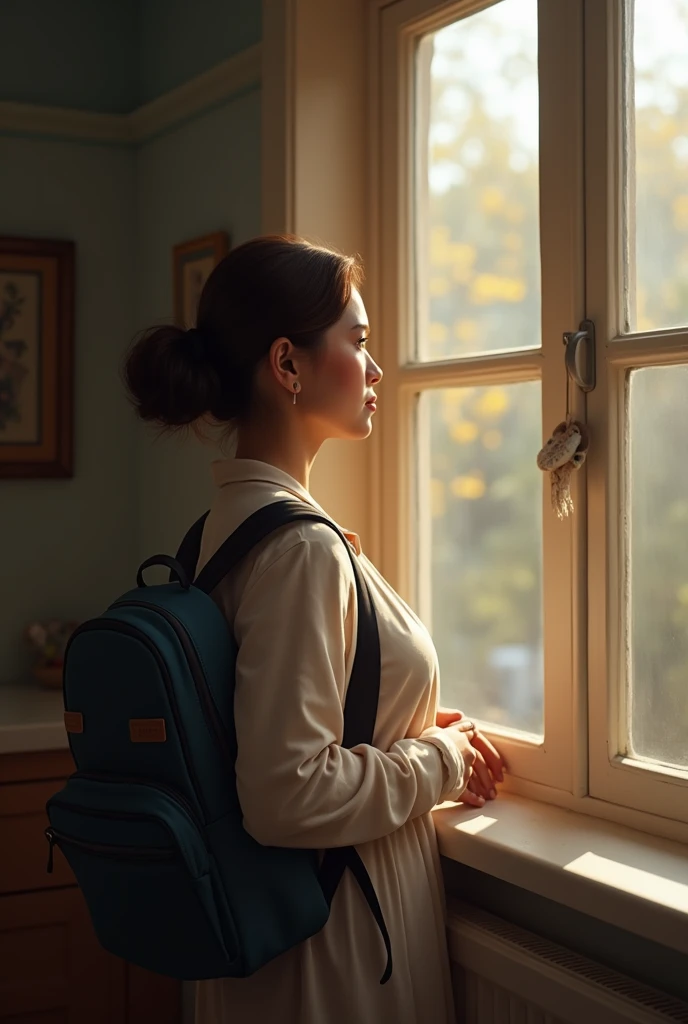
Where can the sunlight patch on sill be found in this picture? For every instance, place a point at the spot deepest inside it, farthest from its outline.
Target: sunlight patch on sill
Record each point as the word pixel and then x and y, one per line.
pixel 637 882
pixel 472 826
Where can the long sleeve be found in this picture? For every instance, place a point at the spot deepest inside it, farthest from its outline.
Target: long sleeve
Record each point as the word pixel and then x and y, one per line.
pixel 296 784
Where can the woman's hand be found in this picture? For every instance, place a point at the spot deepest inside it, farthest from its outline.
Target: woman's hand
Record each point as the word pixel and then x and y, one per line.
pixel 488 766
pixel 445 717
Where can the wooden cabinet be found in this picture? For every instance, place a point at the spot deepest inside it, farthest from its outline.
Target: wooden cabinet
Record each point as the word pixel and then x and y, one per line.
pixel 52 968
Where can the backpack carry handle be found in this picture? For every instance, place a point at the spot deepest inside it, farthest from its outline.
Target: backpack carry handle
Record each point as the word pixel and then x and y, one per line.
pixel 175 567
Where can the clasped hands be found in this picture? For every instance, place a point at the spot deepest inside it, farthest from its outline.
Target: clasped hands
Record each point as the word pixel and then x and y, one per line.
pixel 488 767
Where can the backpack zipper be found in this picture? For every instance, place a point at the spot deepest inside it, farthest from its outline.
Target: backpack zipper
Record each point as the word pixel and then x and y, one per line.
pixel 208 706
pixel 95 812
pixel 124 627
pixel 105 849
pixel 162 786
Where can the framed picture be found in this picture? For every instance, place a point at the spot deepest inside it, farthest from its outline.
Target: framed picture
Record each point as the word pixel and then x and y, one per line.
pixel 192 263
pixel 36 357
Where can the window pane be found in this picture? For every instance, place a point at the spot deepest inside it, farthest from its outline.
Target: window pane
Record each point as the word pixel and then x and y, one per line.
pixel 482 495
pixel 657 497
pixel 477 224
pixel 656 156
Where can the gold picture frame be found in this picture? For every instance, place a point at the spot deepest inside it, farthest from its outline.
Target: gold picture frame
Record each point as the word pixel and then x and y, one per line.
pixel 192 263
pixel 36 357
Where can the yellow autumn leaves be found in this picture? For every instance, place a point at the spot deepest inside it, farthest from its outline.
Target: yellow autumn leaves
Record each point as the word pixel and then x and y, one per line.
pixel 462 407
pixel 488 288
pixel 465 432
pixel 471 486
pixel 471 416
pixel 469 281
pixel 454 263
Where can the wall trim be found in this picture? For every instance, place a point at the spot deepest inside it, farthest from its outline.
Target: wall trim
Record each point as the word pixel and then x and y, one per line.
pixel 206 90
pixel 63 123
pixel 234 75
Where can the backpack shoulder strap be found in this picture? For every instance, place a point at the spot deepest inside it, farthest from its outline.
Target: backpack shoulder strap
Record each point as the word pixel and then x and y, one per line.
pixel 360 709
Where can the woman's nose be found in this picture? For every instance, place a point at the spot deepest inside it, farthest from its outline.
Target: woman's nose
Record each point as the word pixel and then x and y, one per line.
pixel 374 373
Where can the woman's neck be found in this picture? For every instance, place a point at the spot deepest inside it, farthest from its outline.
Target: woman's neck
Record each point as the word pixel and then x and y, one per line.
pixel 277 448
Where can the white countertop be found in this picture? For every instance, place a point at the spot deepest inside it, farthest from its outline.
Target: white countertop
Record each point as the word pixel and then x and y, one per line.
pixel 31 718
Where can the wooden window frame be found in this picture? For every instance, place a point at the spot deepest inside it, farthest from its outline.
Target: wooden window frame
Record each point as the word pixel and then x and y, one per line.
pixel 559 761
pixel 614 778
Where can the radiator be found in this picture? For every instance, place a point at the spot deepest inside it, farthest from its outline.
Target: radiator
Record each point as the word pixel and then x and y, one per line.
pixel 504 974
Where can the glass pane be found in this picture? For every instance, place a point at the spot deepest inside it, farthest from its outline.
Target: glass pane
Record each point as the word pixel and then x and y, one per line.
pixel 656 158
pixel 482 493
pixel 477 221
pixel 658 617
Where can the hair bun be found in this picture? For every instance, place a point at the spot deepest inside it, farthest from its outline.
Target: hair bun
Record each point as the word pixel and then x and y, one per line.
pixel 196 344
pixel 169 377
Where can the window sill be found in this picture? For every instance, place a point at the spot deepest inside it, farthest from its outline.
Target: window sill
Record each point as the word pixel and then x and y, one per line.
pixel 614 873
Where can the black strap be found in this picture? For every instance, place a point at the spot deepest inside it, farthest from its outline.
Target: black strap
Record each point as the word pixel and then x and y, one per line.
pixel 190 547
pixel 334 864
pixel 360 707
pixel 360 710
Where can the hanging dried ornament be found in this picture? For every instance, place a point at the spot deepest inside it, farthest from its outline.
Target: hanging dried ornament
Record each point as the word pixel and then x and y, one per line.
pixel 564 452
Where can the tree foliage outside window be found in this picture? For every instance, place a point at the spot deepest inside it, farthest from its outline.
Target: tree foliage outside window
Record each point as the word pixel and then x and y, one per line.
pixel 480 245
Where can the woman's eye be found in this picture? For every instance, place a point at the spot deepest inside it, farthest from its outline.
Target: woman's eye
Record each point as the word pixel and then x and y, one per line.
pixel 362 342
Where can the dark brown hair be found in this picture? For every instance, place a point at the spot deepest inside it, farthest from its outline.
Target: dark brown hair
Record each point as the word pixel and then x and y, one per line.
pixel 270 287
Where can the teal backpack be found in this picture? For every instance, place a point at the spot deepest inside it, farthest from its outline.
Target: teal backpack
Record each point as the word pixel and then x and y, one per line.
pixel 150 822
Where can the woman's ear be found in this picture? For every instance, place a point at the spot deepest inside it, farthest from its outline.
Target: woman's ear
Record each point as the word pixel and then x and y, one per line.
pixel 282 363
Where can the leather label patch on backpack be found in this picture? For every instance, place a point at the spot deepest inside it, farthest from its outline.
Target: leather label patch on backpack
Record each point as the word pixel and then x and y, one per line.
pixel 74 721
pixel 147 730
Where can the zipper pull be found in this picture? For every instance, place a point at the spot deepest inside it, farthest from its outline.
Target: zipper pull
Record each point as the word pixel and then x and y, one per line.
pixel 50 836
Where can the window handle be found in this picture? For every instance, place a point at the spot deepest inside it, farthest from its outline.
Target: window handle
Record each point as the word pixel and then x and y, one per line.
pixel 583 378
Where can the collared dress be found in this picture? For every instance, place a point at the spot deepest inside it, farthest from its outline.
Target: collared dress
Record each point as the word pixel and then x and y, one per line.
pixel 292 606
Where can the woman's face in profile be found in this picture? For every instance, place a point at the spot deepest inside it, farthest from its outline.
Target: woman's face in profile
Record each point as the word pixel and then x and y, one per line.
pixel 339 389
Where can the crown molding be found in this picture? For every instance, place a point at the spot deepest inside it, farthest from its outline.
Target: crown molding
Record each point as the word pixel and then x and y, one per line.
pixel 237 73
pixel 206 90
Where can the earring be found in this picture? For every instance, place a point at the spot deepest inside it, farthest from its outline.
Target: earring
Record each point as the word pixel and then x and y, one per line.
pixel 297 388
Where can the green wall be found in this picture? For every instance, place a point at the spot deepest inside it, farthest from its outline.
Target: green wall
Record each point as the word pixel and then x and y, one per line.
pixel 67 544
pixel 179 39
pixel 113 55
pixel 71 546
pixel 81 54
pixel 203 177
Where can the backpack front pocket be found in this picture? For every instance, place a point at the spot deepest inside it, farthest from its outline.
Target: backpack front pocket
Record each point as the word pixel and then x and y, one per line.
pixel 141 861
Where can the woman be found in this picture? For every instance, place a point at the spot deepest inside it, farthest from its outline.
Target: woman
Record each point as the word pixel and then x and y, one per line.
pixel 280 357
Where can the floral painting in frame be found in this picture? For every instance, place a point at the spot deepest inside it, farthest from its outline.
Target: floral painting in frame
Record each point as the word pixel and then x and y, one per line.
pixel 36 357
pixel 193 262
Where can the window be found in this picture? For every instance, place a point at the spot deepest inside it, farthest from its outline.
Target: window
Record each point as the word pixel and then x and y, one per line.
pixel 519 200
pixel 477 292
pixel 638 557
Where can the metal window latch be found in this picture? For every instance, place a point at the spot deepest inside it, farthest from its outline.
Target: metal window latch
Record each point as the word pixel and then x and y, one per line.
pixel 581 370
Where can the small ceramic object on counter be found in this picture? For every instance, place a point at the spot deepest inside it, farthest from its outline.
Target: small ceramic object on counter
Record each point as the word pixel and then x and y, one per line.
pixel 50 639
